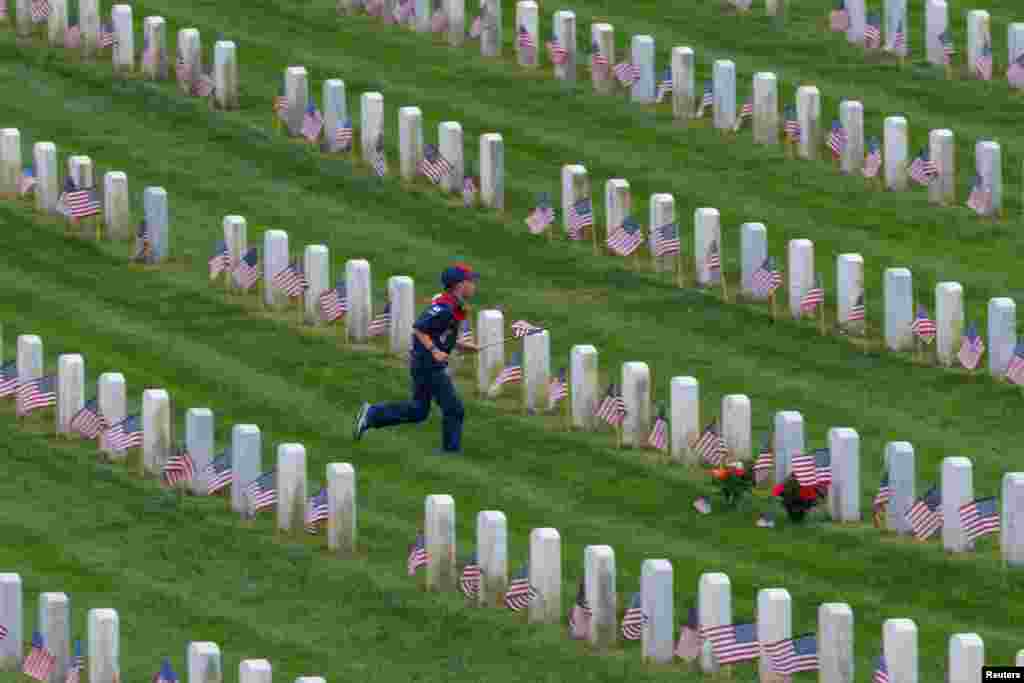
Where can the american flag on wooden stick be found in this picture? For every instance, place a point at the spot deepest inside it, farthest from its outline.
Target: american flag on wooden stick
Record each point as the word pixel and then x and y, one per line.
pixel 521 328
pixel 881 672
pixel 633 620
pixel 291 280
pixel 814 296
pixel 598 62
pixel 27 181
pixel 980 517
pixel 822 468
pixel 658 438
pixel 558 54
pixel 873 160
pixel 580 615
pixel 183 70
pixel 8 379
pixel 746 112
pixel 884 494
pixel 733 643
pixel 512 373
pixel 948 48
pixel 40 662
pixel 149 51
pixel 710 447
pixel 520 593
pixel 983 64
pixel 558 389
pixel 75 665
pixel 316 511
pixel 36 394
pixel 581 216
pixel 542 215
pixel 839 20
pixel 124 435
pixel 220 260
pixel 1015 369
pixel 666 240
pixel 179 468
pixel 794 654
pixel 837 139
pixel 971 347
pixel 625 239
pixel 246 274
pixel 470 187
pixel 343 135
pixel 923 327
pixel 856 312
pixel 689 646
pixel 381 324
pixel 262 493
pixel 707 100
pixel 204 85
pixel 923 170
pixel 765 462
pixel 665 85
pixel 526 43
pixel 980 199
pixel 88 422
pixel 804 469
pixel 627 73
pixel 925 515
pixel 713 260
pixel 1015 74
pixel 108 38
pixel 380 165
pixel 218 475
pixel 873 31
pixel 143 242
pixel 791 124
pixel 312 123
pixel 612 409
pixel 469 578
pixel 766 279
pixel 280 105
pixel 418 555
pixel 433 164
pixel 899 40
pixel 40 11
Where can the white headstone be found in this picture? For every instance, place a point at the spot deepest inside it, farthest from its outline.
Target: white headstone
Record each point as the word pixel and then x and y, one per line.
pixel 371 118
pixel 844 493
pixel 296 89
pixel 1014 42
pixel 662 212
pixel 116 206
pixel 564 26
pixel 70 389
pixel 789 441
pixel 617 203
pixel 492 171
pixel 341 508
pixel 599 586
pixel 643 57
pixel 978 32
pixel 104 646
pixel 966 658
pixel 808 112
pixel 410 141
pixel 456 13
pixel 492 551
pixel 235 238
pixel 81 171
pixel 849 283
pixel 157 440
pixel 546 575
pixel 11 616
pixel 935 23
pixel 29 359
pixel 449 143
pixel 490 35
pixel 402 295
pixel 714 608
pixel 536 371
pixel 24 24
pixel 602 40
pixel 225 74
pixel 656 604
pixel 44 156
pixel 154 203
pixel 526 17
pixel 490 326
pixel 1011 527
pixel 800 254
pixel 895 153
pixel 957 491
pixel 124 38
pixel 292 487
pixel 335 111
pixel 1002 334
pixel 858 21
pixel 899 647
pixel 835 643
pixel 988 158
pixel 942 152
pixel 111 396
pixel 724 74
pixel 275 259
pixel 199 444
pixel 584 391
pixel 736 425
pixel 899 309
pixel 575 186
pixel 683 68
pixel 949 320
pixel 439 537
pixel 684 417
pixel 154 33
pixel 204 663
pixel 706 229
pixel 10 160
pixel 316 266
pixel 357 287
pixel 766 108
pixel 899 459
pixel 55 626
pixel 774 623
pixel 254 671
pixel 636 393
pixel 89 21
pixel 753 252
pixel 851 117
pixel 246 462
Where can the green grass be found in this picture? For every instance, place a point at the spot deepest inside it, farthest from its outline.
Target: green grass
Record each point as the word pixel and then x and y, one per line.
pixel 188 571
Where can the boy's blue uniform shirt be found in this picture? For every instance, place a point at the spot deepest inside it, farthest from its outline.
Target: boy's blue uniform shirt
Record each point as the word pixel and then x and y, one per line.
pixel 440 321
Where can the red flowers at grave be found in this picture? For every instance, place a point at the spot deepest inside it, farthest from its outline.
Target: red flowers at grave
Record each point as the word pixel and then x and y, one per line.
pixel 797 500
pixel 734 481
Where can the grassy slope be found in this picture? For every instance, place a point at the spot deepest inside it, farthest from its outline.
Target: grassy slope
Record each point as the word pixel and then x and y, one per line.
pixel 165 329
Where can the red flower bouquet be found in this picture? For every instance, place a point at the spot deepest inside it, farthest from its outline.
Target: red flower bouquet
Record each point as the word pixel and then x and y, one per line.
pixel 734 481
pixel 796 499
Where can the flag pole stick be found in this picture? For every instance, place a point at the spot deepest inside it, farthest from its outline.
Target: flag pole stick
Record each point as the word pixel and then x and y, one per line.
pixel 775 310
pixel 725 287
pixel 821 318
pixel 593 232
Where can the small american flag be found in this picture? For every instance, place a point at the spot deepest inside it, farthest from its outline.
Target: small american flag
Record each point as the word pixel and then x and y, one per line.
pixel 149 51
pixel 558 389
pixel 948 49
pixel 8 379
pixel 983 65
pixel 923 327
pixel 291 280
pixel 88 422
pixel 702 505
pixel 899 40
pixel 805 469
pixel 521 328
pixel 665 85
pixel 39 393
pixel 27 181
pixel 746 111
pixel 183 70
pixel 980 199
pixel 689 646
pixel 418 555
pixel 766 279
pixel 1015 74
pixel 856 312
pixel 434 165
pixel 469 578
pixel 438 21
pixel 923 169
pixel 262 493
pixel 713 262
pixel 143 242
pixel 246 273
pixel 883 496
pixel 511 373
pixel 633 620
pixel 39 663
pixel 558 54
pixel 765 462
pixel 520 593
pixel 280 105
pixel 707 99
pixel 980 517
pixel 542 215
pixel 666 240
pixel 658 438
pixel 925 515
pixel 580 615
pixel 179 468
pixel 82 204
pixel 581 215
pixel 612 409
pixel 837 139
pixel 124 435
pixel 625 239
pixel 626 73
pixel 316 511
pixel 343 135
pixel 312 123
pixel 380 164
pixel 204 85
pixel 218 474
pixel 381 324
pixel 165 674
pixel 72 37
pixel 1015 370
pixel 881 674
pixel 733 643
pixel 873 160
pixel 526 43
pixel 823 467
pixel 40 11
pixel 220 260
pixel 75 666
pixel 873 32
pixel 710 446
pixel 794 654
pixel 814 296
pixel 469 191
pixel 839 20
pixel 971 348
pixel 791 124
pixel 334 302
pixel 108 38
pixel 598 62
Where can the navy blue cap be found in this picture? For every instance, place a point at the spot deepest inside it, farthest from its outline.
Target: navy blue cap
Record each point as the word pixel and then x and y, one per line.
pixel 460 272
